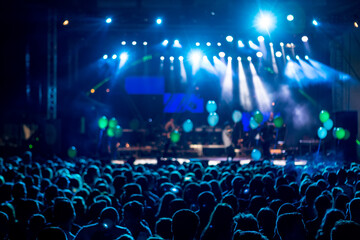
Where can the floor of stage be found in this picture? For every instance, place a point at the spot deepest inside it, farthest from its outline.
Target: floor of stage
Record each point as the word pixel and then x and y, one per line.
pixel 211 161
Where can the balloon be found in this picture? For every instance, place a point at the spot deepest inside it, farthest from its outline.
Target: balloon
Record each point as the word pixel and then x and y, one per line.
pixel 328 124
pixel 340 133
pixel 321 133
pixel 255 154
pixel 213 119
pixel 258 117
pixel 211 106
pixel 118 131
pixel 236 116
pixel 72 152
pixel 134 124
pixel 103 122
pixel 110 132
pixel 253 123
pixel 347 134
pixel 324 116
pixel 175 136
pixel 188 125
pixel 112 123
pixel 278 121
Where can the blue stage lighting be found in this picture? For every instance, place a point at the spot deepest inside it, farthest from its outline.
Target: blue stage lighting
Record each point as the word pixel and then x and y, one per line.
pixel 241 44
pixel 290 17
pixel 249 59
pixel 158 21
pixel 124 56
pixel 306 57
pixel 114 56
pixel 259 54
pixel 265 21
pixel 278 54
pixel 105 56
pixel 229 38
pixel 297 57
pixel 195 57
pixel 108 20
pixel 197 44
pixel 304 39
pixel 288 57
pixel 221 54
pixel 181 58
pixel 165 42
pixel 162 58
pixel 219 44
pixel 208 44
pixel 315 23
pixel 145 43
pixel 261 39
pixel 123 43
pixel 171 58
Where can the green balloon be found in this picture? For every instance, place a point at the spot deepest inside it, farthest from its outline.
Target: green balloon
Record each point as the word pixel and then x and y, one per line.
pixel 347 134
pixel 278 121
pixel 118 131
pixel 112 123
pixel 175 136
pixel 258 117
pixel 103 122
pixel 340 133
pixel 72 152
pixel 324 116
pixel 110 132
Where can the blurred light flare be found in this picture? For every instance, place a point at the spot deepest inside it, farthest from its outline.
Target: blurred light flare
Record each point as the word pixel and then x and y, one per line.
pixel 241 44
pixel 108 20
pixel 158 21
pixel 290 17
pixel 265 21
pixel 304 39
pixel 227 83
pixel 244 93
pixel 229 38
pixel 123 43
pixel 165 42
pixel 261 95
pixel 105 56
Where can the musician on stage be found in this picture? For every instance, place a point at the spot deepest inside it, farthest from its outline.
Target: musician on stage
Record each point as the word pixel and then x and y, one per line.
pixel 227 140
pixel 169 127
pixel 267 136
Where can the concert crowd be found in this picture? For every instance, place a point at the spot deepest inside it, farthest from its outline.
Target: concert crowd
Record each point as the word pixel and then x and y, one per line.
pixel 88 199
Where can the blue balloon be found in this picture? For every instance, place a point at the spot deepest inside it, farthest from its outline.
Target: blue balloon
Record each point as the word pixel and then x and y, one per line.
pixel 236 116
pixel 213 119
pixel 328 124
pixel 322 133
pixel 253 123
pixel 256 154
pixel 188 125
pixel 211 106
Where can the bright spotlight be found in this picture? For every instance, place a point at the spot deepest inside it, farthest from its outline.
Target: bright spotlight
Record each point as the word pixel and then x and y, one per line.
pixel 108 20
pixel 249 59
pixel 195 57
pixel 241 44
pixel 229 38
pixel 145 43
pixel 265 21
pixel 271 44
pixel 356 24
pixel 304 39
pixel 315 23
pixel 261 39
pixel 221 54
pixel 65 22
pixel 229 58
pixel 278 54
pixel 171 58
pixel 208 44
pixel 105 56
pixel 297 57
pixel 114 56
pixel 197 44
pixel 158 21
pixel 204 58
pixel 177 43
pixel 181 58
pixel 259 54
pixel 162 58
pixel 290 18
pixel 281 44
pixel 134 43
pixel 306 57
pixel 123 43
pixel 219 44
pixel 288 57
pixel 239 58
pixel 165 42
pixel 124 56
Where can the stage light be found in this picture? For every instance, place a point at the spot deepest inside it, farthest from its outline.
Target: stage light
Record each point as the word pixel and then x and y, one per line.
pixel 108 90
pixel 278 54
pixel 158 21
pixel 66 22
pixel 165 42
pixel 281 44
pixel 304 39
pixel 288 45
pixel 297 57
pixel 356 24
pixel 197 44
pixel 134 43
pixel 315 23
pixel 241 44
pixel 221 54
pixel 105 56
pixel 162 58
pixel 271 44
pixel 145 43
pixel 251 42
pixel 208 44
pixel 181 58
pixel 239 58
pixel 124 56
pixel 171 58
pixel 219 44
pixel 108 20
pixel 229 58
pixel 261 38
pixel 306 57
pixel 114 56
pixel 249 59
pixel 290 17
pixel 229 38
pixel 288 57
pixel 265 21
pixel 204 58
pixel 177 43
pixel 259 54
pixel 92 90
pixel 123 43
pixel 195 57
